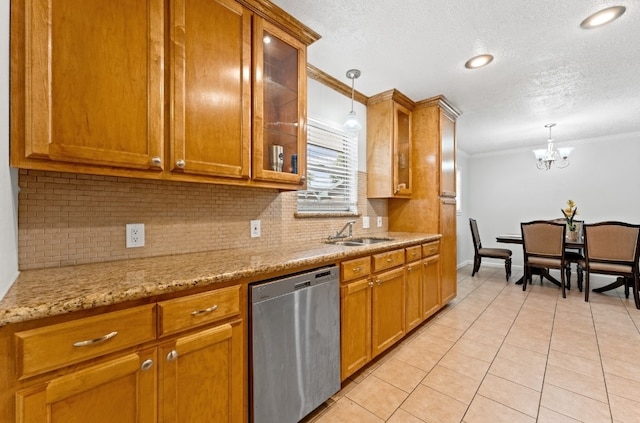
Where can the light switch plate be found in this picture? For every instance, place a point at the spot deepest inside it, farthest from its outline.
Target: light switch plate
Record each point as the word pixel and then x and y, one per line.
pixel 379 222
pixel 365 222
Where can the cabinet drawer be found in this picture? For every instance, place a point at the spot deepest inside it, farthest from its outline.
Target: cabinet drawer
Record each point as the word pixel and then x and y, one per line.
pixel 413 253
pixel 356 268
pixel 430 249
pixel 195 310
pixel 388 260
pixel 51 347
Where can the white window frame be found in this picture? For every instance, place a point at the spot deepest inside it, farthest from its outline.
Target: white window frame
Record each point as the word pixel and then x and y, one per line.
pixel 332 170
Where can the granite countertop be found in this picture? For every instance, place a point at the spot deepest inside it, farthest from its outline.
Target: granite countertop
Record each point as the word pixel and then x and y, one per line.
pixel 49 292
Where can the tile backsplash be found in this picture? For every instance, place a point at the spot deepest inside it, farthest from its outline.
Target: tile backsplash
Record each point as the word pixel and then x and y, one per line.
pixel 68 219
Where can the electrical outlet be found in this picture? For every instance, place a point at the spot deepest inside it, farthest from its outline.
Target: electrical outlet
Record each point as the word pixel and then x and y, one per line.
pixel 135 235
pixel 379 222
pixel 365 222
pixel 255 229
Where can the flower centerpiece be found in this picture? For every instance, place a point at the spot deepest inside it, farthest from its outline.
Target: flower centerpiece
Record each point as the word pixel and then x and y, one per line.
pixel 569 213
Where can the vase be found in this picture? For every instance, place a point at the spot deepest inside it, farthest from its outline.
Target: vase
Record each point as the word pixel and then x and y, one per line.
pixel 572 236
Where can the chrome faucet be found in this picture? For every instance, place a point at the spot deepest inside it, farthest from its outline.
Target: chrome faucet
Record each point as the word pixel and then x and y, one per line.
pixel 339 234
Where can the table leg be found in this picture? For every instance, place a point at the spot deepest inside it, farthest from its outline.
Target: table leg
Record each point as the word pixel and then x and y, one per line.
pixel 613 285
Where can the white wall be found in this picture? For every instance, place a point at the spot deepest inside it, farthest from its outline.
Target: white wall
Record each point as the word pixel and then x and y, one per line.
pixel 464 248
pixel 506 189
pixel 8 177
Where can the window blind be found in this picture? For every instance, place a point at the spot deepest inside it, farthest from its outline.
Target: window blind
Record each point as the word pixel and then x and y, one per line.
pixel 332 169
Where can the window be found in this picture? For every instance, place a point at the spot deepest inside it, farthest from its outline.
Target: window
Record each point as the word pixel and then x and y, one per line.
pixel 332 169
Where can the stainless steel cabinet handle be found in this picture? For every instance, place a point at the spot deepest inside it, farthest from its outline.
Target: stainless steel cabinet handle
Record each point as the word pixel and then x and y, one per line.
pixel 157 161
pixel 181 164
pixel 95 340
pixel 146 365
pixel 204 310
pixel 173 354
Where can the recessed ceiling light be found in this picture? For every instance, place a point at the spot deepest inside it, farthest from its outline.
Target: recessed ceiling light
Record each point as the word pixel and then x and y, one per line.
pixel 478 61
pixel 603 17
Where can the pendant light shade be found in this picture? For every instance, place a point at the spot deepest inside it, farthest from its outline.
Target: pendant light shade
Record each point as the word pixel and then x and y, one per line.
pixel 352 123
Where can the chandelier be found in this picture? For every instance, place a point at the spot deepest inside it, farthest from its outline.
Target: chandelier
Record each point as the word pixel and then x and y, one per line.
pixel 549 156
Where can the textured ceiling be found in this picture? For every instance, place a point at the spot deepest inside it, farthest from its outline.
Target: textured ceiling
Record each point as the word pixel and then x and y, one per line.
pixel 546 68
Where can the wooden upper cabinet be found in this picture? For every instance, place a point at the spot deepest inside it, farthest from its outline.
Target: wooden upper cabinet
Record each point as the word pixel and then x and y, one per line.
pixel 93 82
pixel 210 59
pixel 389 145
pixel 279 106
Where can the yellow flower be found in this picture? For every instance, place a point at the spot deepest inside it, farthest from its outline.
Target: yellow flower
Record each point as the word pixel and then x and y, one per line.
pixel 569 213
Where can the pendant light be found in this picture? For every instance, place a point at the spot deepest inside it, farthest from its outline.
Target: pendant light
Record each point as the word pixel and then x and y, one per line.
pixel 351 123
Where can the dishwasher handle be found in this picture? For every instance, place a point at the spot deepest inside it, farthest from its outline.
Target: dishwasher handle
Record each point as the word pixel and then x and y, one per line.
pixel 302 285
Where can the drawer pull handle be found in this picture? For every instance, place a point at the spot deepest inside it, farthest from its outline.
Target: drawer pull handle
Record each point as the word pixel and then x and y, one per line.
pixel 357 269
pixel 410 269
pixel 96 340
pixel 172 355
pixel 370 283
pixel 181 164
pixel 414 254
pixel 156 161
pixel 146 365
pixel 389 260
pixel 378 281
pixel 204 310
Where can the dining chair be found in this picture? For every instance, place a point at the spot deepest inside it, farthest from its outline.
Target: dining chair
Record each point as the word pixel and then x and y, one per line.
pixel 612 248
pixel 543 243
pixel 574 255
pixel 480 251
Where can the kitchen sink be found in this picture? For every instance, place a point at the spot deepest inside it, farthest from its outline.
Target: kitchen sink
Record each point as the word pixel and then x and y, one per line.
pixel 358 242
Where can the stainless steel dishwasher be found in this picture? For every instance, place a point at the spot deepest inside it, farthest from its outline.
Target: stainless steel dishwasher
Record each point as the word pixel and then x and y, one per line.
pixel 295 344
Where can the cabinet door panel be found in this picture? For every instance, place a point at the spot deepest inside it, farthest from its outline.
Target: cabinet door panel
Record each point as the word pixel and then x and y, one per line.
pixel 202 376
pixel 211 87
pixel 448 156
pixel 355 315
pixel 387 310
pixel 94 83
pixel 280 98
pixel 448 265
pixel 413 295
pixel 430 286
pixel 118 390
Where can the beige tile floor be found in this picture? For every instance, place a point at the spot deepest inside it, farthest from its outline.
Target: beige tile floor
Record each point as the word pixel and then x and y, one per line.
pixel 498 354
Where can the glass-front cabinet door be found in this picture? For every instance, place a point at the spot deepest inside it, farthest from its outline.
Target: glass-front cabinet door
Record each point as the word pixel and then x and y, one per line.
pixel 279 129
pixel 402 149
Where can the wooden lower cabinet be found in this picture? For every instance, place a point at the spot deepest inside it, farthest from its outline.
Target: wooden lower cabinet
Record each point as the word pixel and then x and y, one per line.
pixel 355 311
pixel 387 310
pixel 121 390
pixel 372 310
pixel 201 378
pixel 193 371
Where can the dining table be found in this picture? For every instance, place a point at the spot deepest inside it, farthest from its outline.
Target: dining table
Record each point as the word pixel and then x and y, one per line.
pixel 569 245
